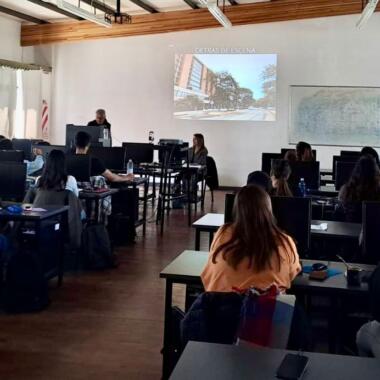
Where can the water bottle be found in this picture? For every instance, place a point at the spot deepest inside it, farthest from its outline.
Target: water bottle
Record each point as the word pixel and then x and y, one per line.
pixel 130 167
pixel 105 134
pixel 302 187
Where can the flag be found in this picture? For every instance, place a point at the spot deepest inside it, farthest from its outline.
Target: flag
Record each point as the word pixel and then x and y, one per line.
pixel 45 120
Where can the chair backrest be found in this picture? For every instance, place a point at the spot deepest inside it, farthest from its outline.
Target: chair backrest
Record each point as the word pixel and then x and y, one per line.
pixel 285 150
pixel 266 161
pixel 212 179
pixel 341 159
pixel 371 232
pixel 12 181
pixel 139 152
pixel 12 156
pixel 293 215
pixel 113 158
pixel 79 166
pixel 228 208
pixel 308 170
pixel 343 173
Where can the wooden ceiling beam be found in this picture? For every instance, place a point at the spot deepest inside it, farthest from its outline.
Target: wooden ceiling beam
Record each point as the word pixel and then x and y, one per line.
pixel 242 14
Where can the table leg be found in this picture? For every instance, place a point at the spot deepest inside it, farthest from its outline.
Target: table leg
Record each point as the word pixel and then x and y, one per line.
pixel 167 327
pixel 146 187
pixel 64 224
pixel 197 239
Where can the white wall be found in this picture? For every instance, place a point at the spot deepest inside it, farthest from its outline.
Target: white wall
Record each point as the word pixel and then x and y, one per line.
pixel 10 39
pixel 132 78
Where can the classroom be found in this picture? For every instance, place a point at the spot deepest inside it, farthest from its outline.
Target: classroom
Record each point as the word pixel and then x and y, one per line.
pixel 189 189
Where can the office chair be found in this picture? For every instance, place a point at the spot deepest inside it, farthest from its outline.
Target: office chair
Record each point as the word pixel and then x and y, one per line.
pixel 371 232
pixel 293 216
pixel 228 208
pixel 211 180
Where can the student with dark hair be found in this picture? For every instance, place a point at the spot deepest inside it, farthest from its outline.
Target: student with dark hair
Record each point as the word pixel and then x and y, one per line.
pixel 304 151
pixel 291 155
pixel 280 174
pixel 252 251
pixel 198 152
pixel 368 151
pixel 82 144
pixel 6 144
pixel 56 188
pixel 260 179
pixel 363 185
pixel 368 337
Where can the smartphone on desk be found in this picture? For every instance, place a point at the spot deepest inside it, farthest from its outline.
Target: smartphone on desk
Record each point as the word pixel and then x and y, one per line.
pixel 292 367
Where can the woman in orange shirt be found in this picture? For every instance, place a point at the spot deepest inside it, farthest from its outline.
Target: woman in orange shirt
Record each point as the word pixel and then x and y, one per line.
pixel 252 251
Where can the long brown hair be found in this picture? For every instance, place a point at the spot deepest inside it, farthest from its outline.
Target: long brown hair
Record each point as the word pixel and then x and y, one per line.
pixel 201 141
pixel 281 172
pixel 255 234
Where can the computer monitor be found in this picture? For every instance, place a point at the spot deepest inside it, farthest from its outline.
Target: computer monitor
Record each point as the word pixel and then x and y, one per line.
pixel 12 156
pixel 12 181
pixel 96 133
pixel 174 153
pixel 139 152
pixel 266 161
pixel 285 150
pixel 342 159
pixel 79 166
pixel 113 158
pixel 343 173
pixel 46 149
pixel 25 145
pixel 308 170
pixel 350 153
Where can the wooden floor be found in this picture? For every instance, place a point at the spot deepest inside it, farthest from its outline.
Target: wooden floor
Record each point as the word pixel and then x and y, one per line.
pixel 101 325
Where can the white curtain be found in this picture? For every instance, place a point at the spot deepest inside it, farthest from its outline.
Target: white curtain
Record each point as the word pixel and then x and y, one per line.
pixel 8 96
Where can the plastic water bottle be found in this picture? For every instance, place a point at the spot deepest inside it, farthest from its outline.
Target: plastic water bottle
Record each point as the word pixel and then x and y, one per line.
pixel 302 187
pixel 130 167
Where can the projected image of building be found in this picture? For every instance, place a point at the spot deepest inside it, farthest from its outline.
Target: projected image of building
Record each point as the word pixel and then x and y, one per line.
pixel 193 80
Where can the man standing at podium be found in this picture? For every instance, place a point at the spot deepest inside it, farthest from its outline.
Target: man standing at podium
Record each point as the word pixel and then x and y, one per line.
pixel 100 119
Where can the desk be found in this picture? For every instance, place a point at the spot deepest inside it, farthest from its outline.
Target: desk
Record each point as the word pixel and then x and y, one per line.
pixel 188 266
pixel 211 222
pixel 227 362
pixel 325 191
pixel 37 218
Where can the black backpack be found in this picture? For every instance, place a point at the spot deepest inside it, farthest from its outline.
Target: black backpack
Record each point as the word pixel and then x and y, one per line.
pixel 97 247
pixel 26 289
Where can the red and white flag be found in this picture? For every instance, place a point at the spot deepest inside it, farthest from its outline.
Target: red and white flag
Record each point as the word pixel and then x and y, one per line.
pixel 45 120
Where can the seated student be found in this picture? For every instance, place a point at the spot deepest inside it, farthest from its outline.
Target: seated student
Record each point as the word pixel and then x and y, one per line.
pixel 304 152
pixel 37 164
pixel 368 151
pixel 82 144
pixel 368 337
pixel 260 179
pixel 198 152
pixel 363 185
pixel 55 187
pixel 252 251
pixel 280 174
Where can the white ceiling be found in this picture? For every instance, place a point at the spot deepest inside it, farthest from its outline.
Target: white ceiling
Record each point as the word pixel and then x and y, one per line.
pixel 24 6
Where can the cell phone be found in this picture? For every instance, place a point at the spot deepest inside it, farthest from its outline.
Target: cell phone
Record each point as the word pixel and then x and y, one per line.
pixel 292 367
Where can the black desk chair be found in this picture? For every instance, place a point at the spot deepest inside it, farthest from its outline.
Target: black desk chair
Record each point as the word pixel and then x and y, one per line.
pixel 309 171
pixel 211 179
pixel 12 156
pixel 293 216
pixel 371 232
pixel 266 161
pixel 228 208
pixel 79 166
pixel 343 173
pixel 12 181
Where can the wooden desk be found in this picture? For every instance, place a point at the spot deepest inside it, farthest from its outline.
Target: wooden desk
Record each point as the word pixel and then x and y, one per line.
pixel 210 361
pixel 342 230
pixel 37 218
pixel 188 266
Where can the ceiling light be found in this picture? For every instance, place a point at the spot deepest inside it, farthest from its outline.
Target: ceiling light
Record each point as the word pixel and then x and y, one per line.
pixel 367 13
pixel 83 13
pixel 213 8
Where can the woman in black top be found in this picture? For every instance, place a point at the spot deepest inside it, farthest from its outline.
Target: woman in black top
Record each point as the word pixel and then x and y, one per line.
pixel 363 185
pixel 198 152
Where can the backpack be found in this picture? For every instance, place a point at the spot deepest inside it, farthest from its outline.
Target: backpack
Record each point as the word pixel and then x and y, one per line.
pixel 26 289
pixel 97 248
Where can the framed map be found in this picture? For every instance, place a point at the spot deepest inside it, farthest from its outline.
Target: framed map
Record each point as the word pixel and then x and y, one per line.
pixel 337 116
